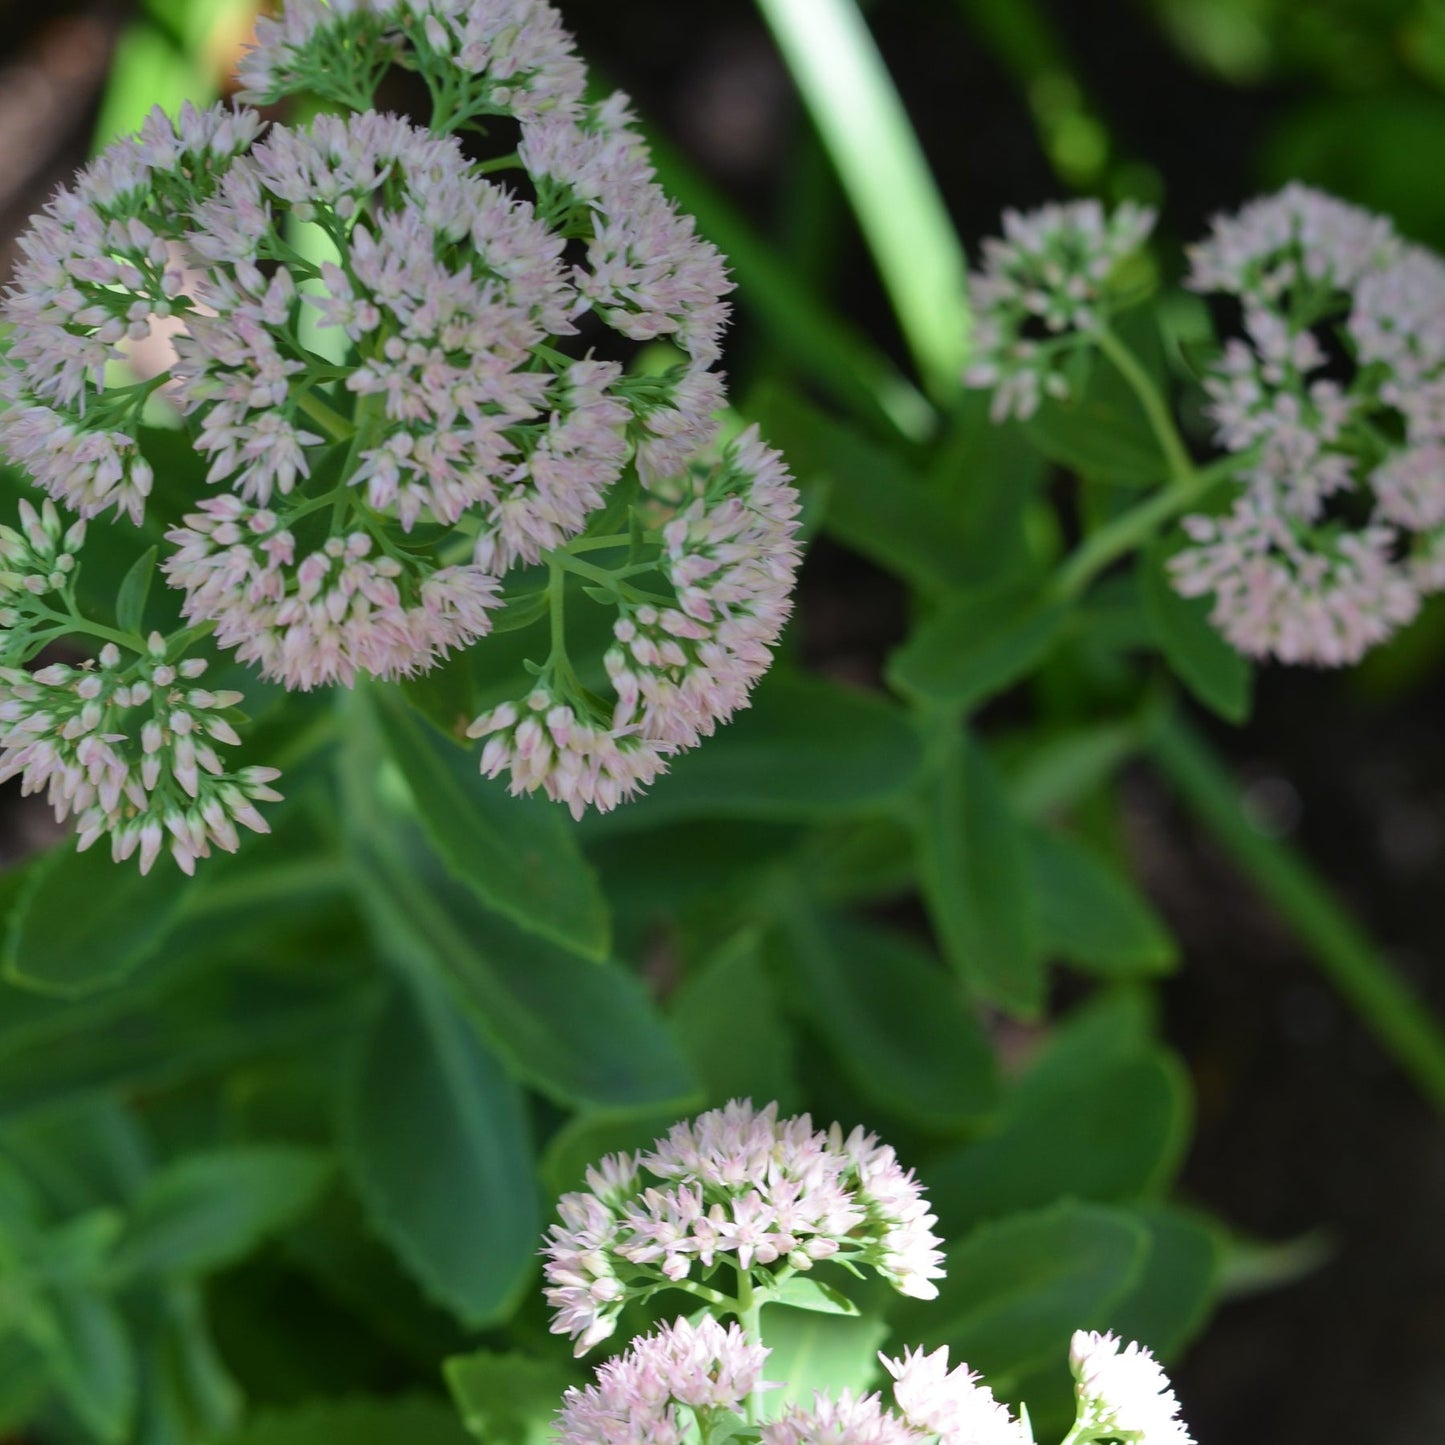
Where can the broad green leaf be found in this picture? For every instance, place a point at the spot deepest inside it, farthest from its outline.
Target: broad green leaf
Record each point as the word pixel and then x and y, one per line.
pixel 804 1292
pixel 877 504
pixel 1176 1290
pixel 1162 1309
pixel 1221 678
pixel 130 602
pixel 727 1019
pixel 438 1145
pixel 806 749
pixel 866 130
pixel 974 867
pixel 899 1025
pixel 1092 915
pixel 1017 1290
pixel 57 947
pixel 977 645
pixel 186 1392
pixel 1113 1132
pixel 91 1360
pixel 518 855
pixel 208 1211
pixel 1050 773
pixel 583 1033
pixel 809 1351
pixel 396 1420
pixel 24 1382
pixel 507 1399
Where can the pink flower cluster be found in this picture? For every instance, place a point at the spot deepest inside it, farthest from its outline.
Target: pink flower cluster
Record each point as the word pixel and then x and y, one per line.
pixel 379 355
pixel 742 1187
pixel 730 555
pixel 662 1384
pixel 1123 1393
pixel 1043 287
pixel 1340 526
pixel 130 752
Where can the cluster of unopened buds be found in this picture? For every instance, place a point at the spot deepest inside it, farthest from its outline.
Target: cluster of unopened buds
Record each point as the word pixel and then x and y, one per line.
pixel 740 1202
pixel 414 378
pixel 1331 403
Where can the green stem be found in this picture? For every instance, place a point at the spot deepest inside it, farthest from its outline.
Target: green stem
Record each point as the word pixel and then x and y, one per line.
pixel 1339 946
pixel 598 544
pixel 750 1317
pixel 338 428
pixel 1161 422
pixel 1137 526
pixel 73 622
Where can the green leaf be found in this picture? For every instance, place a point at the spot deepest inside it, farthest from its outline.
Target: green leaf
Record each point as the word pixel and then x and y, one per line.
pixel 883 509
pixel 804 1292
pixel 866 130
pixel 1111 1131
pixel 1221 678
pixel 583 1033
pixel 55 947
pixel 83 1339
pixel 977 646
pixel 1174 1294
pixel 507 1399
pixel 518 855
pixel 130 602
pixel 1017 1290
pixel 974 867
pixel 899 1025
pixel 809 1351
pixel 438 1145
pixel 186 1392
pixel 587 1137
pixel 1092 915
pixel 806 749
pixel 208 1211
pixel 727 1019
pixel 398 1420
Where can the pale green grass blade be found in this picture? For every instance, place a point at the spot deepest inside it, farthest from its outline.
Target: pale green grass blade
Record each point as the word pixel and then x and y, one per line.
pixel 866 130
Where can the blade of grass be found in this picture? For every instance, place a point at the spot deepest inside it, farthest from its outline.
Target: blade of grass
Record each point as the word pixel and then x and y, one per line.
pixel 862 122
pixel 1339 946
pixel 826 347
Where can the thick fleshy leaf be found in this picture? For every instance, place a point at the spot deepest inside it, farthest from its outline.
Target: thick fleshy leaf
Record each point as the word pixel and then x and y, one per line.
pixel 974 866
pixel 805 749
pixel 438 1145
pixel 977 645
pixel 900 1027
pixel 396 1420
pixel 583 1033
pixel 727 1017
pixel 209 1210
pixel 1017 1290
pixel 1111 1130
pixel 90 1359
pixel 1176 1290
pixel 508 1399
pixel 1221 678
pixel 810 1351
pixel 1093 916
pixel 518 855
pixel 55 947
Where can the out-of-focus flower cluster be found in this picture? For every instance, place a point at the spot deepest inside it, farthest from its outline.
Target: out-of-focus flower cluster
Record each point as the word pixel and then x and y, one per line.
pixel 686 1381
pixel 740 1188
pixel 1334 397
pixel 1045 287
pixel 386 355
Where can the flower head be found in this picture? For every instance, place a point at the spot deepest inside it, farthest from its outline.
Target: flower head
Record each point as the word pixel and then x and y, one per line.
pixel 848 1419
pixel 409 371
pixel 1333 400
pixel 1044 285
pixel 738 1185
pixel 662 1383
pixel 1122 1392
pixel 953 1405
